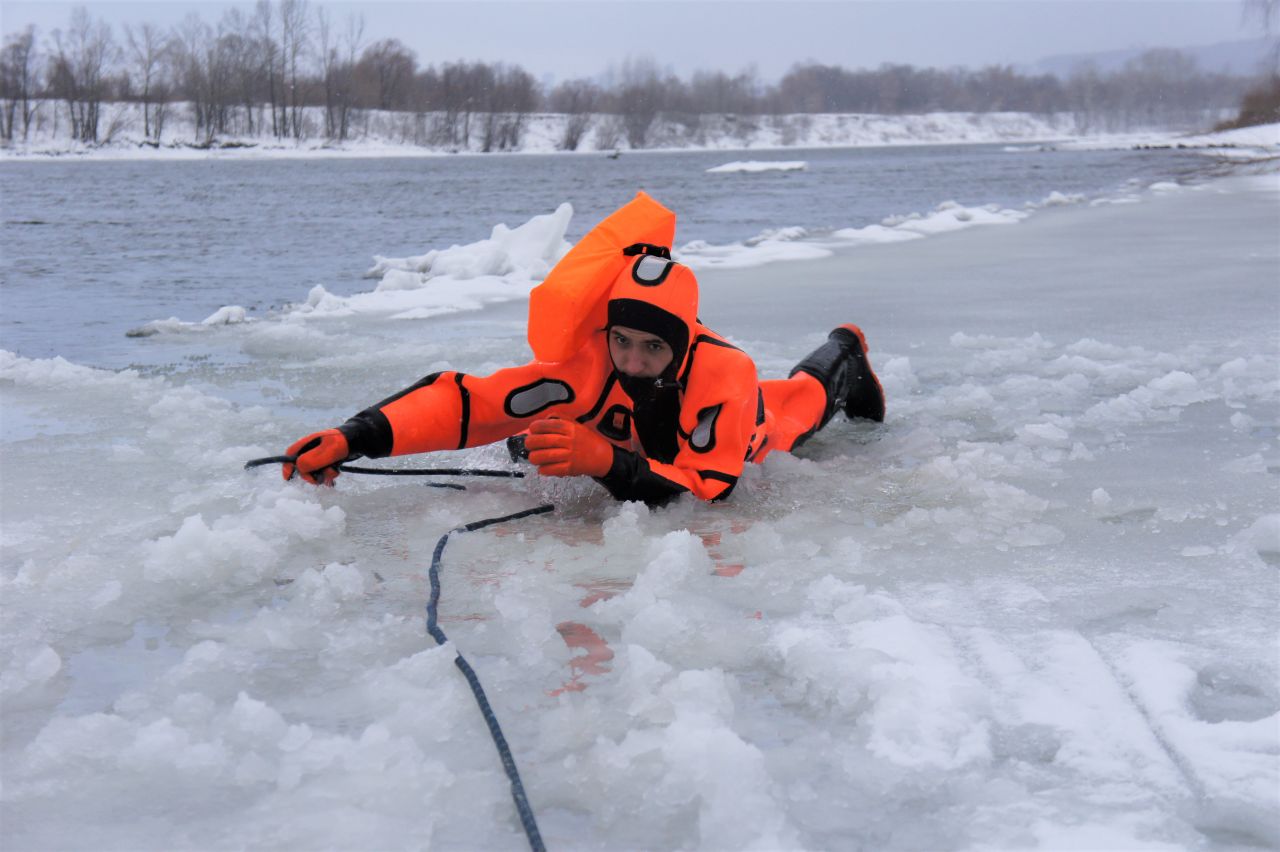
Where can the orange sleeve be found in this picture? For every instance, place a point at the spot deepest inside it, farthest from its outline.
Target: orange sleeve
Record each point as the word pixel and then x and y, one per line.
pixel 452 410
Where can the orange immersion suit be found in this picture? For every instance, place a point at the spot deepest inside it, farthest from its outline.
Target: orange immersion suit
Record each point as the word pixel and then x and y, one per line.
pixel 691 429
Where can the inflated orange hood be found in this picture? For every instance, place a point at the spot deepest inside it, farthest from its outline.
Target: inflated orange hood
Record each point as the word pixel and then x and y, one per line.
pixel 570 304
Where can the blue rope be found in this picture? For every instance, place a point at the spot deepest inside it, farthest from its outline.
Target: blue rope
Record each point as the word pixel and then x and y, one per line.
pixel 495 730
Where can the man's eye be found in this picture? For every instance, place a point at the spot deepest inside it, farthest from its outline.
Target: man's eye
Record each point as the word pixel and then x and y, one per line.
pixel 655 347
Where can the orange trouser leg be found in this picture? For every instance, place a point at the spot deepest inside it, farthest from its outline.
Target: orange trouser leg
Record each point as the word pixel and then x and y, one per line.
pixel 793 407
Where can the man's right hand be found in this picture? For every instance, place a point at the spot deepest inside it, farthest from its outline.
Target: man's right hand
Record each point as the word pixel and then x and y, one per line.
pixel 317 457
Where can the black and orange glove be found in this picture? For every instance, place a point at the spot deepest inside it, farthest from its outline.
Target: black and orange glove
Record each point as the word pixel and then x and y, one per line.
pixel 567 448
pixel 317 457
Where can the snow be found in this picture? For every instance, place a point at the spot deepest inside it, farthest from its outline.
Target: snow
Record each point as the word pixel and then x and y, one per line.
pixel 502 268
pixel 391 134
pixel 753 166
pixel 1033 609
pixel 1245 143
pixel 794 243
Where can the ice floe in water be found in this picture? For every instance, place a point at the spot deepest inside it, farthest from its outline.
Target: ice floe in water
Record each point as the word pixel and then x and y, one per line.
pixel 226 315
pixel 754 166
pixel 504 267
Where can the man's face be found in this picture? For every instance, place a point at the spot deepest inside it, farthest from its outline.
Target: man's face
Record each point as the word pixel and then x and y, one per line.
pixel 638 353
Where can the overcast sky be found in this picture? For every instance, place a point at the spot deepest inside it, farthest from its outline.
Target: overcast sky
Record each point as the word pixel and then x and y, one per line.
pixel 571 38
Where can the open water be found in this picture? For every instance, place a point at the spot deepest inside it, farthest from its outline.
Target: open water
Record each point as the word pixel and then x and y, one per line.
pixel 92 249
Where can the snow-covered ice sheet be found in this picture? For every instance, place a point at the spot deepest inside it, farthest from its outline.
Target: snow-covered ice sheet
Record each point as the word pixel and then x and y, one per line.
pixel 1033 609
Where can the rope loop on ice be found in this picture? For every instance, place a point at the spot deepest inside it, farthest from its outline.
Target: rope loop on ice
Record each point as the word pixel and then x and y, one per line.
pixel 495 730
pixel 395 471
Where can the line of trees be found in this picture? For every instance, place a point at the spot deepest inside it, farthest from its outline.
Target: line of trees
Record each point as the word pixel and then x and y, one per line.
pixel 265 71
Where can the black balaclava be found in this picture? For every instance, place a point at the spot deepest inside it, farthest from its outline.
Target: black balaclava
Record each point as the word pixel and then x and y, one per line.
pixel 642 316
pixel 656 296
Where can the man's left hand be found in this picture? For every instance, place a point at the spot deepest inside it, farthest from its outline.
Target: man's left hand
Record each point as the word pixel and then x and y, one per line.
pixel 567 448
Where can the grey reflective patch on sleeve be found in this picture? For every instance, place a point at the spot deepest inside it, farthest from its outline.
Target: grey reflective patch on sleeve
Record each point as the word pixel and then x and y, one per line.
pixel 650 270
pixel 703 437
pixel 530 399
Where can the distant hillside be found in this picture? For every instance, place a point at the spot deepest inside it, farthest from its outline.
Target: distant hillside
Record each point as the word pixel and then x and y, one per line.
pixel 1241 58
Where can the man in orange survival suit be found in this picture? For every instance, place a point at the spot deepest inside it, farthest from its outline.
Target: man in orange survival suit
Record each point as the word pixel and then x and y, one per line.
pixel 653 405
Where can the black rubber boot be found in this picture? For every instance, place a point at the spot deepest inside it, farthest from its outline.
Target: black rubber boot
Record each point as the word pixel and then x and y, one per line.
pixel 829 364
pixel 863 397
pixel 842 367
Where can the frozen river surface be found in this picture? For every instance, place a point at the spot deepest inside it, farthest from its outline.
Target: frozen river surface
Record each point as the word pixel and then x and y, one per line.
pixel 1036 608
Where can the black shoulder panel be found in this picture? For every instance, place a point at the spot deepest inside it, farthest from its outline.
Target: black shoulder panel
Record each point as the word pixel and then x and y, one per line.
pixel 369 432
pixel 693 350
pixel 423 382
pixel 706 338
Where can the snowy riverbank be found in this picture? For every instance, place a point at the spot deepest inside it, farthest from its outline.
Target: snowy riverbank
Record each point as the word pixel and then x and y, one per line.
pixel 1246 143
pixel 1033 609
pixel 386 134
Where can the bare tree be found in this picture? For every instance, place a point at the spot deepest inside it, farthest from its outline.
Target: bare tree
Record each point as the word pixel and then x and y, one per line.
pixel 82 57
pixel 717 92
pixel 19 82
pixel 352 39
pixel 193 49
pixel 384 74
pixel 609 133
pixel 640 99
pixel 295 38
pixel 269 64
pixel 208 63
pixel 424 96
pixel 1156 87
pixel 239 55
pixel 337 69
pixel 328 55
pixel 1084 96
pixel 146 47
pixel 160 108
pixel 507 102
pixel 578 101
pixel 461 87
